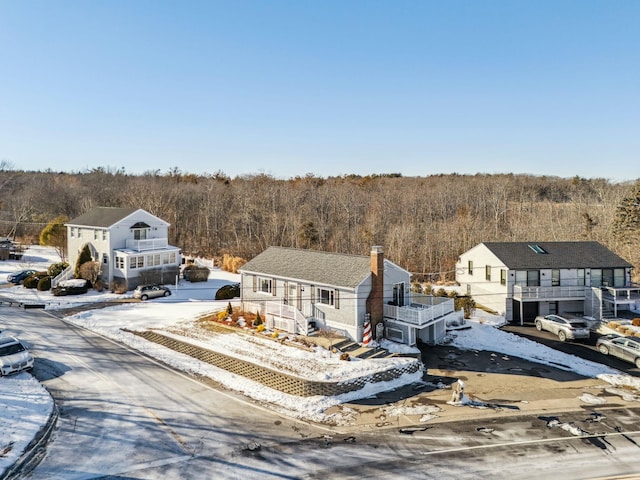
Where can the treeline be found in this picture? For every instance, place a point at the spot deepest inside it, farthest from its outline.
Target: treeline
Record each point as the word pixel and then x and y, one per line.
pixel 424 223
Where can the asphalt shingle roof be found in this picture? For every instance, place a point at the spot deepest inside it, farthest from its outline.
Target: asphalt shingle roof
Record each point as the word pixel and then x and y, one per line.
pixel 519 255
pixel 324 268
pixel 102 217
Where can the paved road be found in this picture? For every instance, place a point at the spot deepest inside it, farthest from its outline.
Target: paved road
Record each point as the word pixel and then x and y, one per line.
pixel 125 416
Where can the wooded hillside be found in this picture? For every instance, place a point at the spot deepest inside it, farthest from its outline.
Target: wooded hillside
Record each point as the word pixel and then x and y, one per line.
pixel 424 223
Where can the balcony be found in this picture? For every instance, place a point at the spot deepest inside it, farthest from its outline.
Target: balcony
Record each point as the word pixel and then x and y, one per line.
pixel 418 314
pixel 147 244
pixel 548 293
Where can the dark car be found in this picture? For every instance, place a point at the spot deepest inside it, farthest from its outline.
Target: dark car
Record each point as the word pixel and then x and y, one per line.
pixel 625 348
pixel 19 276
pixel 144 292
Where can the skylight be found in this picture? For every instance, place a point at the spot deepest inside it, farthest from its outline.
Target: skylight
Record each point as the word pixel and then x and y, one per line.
pixel 537 248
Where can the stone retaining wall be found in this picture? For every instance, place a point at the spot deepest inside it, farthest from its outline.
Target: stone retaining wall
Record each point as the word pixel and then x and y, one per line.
pixel 272 378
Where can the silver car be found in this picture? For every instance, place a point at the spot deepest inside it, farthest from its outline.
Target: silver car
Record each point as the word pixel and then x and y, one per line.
pixel 144 292
pixel 625 348
pixel 564 328
pixel 14 356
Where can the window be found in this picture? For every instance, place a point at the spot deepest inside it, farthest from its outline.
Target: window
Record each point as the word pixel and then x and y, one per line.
pixel 79 233
pixel 528 278
pixel 104 234
pixel 487 273
pixel 120 262
pixel 72 232
pixel 105 258
pixel 581 277
pixel 503 276
pixel 139 233
pixel 136 262
pixel 156 259
pixel 555 278
pixel 327 296
pixel 470 267
pixel 265 285
pixel 596 277
pixel 140 262
pixel 95 234
pixel 619 277
pixel 172 257
pixel 538 249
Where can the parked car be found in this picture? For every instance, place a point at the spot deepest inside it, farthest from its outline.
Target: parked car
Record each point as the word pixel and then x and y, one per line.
pixel 625 348
pixel 144 292
pixel 564 328
pixel 14 356
pixel 19 276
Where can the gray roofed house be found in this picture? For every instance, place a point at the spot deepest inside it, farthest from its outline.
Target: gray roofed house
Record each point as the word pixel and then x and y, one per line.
pixel 130 244
pixel 297 290
pixel 521 280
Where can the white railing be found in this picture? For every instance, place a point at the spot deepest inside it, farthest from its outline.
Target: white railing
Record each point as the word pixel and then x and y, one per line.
pixel 281 310
pixel 531 293
pixel 66 274
pixel 420 315
pixel 147 244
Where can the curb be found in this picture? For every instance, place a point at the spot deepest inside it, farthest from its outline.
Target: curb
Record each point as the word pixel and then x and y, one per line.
pixel 34 451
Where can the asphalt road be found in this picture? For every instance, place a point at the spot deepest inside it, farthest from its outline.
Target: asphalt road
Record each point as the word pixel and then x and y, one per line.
pixel 125 416
pixel 584 348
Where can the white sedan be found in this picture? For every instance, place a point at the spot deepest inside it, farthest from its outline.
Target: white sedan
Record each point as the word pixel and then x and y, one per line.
pixel 564 328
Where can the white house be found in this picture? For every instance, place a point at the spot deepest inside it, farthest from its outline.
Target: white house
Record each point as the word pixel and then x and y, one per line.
pixel 301 290
pixel 131 245
pixel 523 279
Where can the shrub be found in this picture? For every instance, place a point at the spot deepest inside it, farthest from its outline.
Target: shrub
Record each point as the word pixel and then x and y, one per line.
pixel 345 356
pixel 260 328
pixel 56 269
pixel 118 286
pixel 222 315
pixel 635 322
pixel 44 284
pixel 229 309
pixel 194 273
pixel 84 257
pixel 98 285
pixel 258 321
pixel 32 280
pixel 231 263
pixel 227 292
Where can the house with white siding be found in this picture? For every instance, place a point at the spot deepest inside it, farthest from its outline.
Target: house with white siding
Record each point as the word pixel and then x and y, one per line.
pixel 521 280
pixel 131 245
pixel 300 291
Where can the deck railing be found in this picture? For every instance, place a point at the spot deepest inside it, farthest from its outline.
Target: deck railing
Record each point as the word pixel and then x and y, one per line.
pixel 548 293
pixel 419 314
pixel 147 244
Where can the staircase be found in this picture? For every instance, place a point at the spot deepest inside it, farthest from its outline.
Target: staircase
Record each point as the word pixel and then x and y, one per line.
pixel 66 274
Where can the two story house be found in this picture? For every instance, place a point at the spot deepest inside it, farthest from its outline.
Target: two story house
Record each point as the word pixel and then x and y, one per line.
pixel 300 290
pixel 523 279
pixel 131 245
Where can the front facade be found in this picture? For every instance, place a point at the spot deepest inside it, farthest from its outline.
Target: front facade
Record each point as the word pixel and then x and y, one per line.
pixel 131 245
pixel 521 280
pixel 301 290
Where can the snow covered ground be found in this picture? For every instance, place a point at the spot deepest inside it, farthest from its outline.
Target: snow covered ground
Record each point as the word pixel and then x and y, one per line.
pixel 178 315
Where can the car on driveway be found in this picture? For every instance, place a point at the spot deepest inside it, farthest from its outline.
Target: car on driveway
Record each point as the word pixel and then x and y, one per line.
pixel 14 356
pixel 19 276
pixel 625 348
pixel 564 328
pixel 144 292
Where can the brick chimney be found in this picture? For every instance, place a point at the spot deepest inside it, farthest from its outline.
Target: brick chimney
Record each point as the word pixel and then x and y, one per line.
pixel 375 301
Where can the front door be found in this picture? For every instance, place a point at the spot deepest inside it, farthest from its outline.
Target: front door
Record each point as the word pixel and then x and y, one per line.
pixel 398 294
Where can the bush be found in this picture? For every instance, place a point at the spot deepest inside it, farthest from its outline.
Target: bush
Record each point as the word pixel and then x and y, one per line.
pixel 56 269
pixel 44 284
pixel 118 286
pixel 635 322
pixel 227 292
pixel 32 280
pixel 258 321
pixel 222 315
pixel 231 263
pixel 194 273
pixel 260 328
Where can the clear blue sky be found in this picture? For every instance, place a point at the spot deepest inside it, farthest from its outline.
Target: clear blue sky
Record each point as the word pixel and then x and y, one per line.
pixel 325 87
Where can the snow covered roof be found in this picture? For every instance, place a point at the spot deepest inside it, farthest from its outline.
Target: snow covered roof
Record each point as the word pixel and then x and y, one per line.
pixel 523 255
pixel 324 268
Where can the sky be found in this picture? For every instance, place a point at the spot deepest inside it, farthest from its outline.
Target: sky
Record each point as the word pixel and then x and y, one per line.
pixel 330 87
